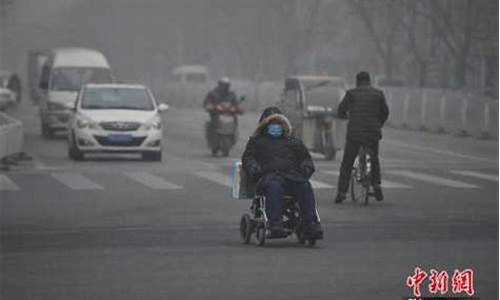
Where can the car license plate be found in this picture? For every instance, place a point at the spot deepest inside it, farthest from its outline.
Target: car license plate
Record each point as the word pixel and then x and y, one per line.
pixel 120 138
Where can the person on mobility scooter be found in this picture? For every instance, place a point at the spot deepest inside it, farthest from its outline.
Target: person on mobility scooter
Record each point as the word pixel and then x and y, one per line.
pixel 281 167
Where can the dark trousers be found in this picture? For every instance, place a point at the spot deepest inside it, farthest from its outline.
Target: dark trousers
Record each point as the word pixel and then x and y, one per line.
pixel 350 152
pixel 275 187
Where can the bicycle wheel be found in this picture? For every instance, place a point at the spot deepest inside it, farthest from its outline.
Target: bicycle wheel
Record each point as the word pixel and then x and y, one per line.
pixel 359 180
pixel 368 175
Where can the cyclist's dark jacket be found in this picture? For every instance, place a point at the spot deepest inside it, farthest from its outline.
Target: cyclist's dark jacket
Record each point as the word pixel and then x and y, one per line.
pixel 286 156
pixel 367 111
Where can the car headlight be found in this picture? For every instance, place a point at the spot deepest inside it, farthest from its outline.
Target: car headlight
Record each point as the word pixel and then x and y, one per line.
pixel 152 125
pixel 86 123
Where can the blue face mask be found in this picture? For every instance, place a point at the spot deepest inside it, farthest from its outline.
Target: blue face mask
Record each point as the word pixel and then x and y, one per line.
pixel 275 130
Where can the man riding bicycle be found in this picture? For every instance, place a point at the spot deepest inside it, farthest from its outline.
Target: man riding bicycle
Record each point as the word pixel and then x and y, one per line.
pixel 367 111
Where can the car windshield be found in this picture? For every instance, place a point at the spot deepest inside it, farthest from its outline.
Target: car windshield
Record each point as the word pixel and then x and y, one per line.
pixel 196 78
pixel 117 98
pixel 311 85
pixel 324 93
pixel 71 79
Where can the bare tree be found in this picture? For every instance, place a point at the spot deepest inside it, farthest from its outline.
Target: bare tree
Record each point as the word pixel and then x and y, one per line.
pixel 381 20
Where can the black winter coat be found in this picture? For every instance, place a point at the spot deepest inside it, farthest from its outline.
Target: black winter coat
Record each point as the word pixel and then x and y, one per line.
pixel 367 111
pixel 216 96
pixel 285 156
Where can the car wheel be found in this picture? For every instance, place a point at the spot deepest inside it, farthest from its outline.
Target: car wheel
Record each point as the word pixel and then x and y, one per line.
pixel 74 153
pixel 46 131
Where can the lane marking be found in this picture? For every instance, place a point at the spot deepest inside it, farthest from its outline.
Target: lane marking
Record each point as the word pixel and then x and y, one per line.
pixel 76 181
pixel 216 177
pixel 152 181
pixel 434 179
pixel 385 183
pixel 6 184
pixel 476 174
pixel 437 151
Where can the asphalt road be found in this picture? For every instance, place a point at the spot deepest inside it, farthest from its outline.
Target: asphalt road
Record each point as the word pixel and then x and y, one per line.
pixel 115 227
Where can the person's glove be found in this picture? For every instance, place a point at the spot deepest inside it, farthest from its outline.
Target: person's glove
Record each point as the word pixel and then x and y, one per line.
pixel 255 170
pixel 307 171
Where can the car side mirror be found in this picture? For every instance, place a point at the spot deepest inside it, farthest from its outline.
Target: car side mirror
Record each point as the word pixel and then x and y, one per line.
pixel 162 107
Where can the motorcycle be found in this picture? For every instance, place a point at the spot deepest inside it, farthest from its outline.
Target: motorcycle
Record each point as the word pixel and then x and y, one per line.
pixel 222 129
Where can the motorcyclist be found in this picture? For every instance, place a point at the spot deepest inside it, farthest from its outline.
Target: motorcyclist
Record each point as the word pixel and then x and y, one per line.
pixel 367 111
pixel 221 93
pixel 15 86
pixel 281 164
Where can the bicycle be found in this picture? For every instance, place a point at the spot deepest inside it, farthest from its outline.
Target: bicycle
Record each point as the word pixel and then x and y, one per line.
pixel 361 177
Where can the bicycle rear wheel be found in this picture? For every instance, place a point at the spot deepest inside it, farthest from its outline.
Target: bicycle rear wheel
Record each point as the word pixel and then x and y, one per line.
pixel 360 185
pixel 359 192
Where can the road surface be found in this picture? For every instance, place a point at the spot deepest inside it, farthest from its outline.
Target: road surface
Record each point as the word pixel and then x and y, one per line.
pixel 115 227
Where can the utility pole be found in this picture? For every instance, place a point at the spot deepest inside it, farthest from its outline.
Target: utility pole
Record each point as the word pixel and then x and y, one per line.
pixel 5 6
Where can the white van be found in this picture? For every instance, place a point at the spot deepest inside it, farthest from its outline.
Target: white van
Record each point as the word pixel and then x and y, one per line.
pixel 191 74
pixel 188 85
pixel 63 74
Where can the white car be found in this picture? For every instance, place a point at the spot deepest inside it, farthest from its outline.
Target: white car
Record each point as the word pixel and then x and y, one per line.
pixel 119 118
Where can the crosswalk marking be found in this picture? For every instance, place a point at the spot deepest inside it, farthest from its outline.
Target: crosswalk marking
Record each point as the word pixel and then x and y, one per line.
pixel 152 181
pixel 334 173
pixel 393 185
pixel 434 179
pixel 476 174
pixel 319 185
pixel 6 184
pixel 76 181
pixel 226 180
pixel 216 177
pixel 385 183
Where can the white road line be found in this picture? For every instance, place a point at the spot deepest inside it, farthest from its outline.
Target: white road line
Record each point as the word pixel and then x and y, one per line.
pixel 6 184
pixel 438 151
pixel 334 173
pixel 394 185
pixel 225 180
pixel 216 177
pixel 316 155
pixel 385 183
pixel 76 181
pixel 152 181
pixel 319 185
pixel 476 174
pixel 434 179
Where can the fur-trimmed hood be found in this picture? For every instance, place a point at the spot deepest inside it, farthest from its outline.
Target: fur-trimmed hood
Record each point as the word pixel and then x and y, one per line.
pixel 287 127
